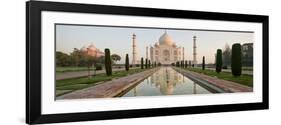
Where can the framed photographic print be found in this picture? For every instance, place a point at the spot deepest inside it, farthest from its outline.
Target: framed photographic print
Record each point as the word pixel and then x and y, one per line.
pixel 95 62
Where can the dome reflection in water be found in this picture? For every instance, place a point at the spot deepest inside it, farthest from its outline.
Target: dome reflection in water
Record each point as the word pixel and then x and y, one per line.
pixel 166 81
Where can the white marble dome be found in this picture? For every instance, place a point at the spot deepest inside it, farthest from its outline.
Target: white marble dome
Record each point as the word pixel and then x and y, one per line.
pixel 165 39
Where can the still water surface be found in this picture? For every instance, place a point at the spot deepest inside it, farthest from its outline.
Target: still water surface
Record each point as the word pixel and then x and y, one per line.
pixel 166 81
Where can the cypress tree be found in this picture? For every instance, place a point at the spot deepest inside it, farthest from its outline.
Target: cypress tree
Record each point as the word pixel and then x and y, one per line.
pixel 203 63
pixel 141 63
pixel 107 61
pixel 149 64
pixel 146 63
pixel 127 65
pixel 219 61
pixel 236 60
pixel 185 64
pixel 189 63
pixel 181 64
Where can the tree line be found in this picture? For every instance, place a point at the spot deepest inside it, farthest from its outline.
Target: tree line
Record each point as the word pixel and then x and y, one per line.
pixel 79 58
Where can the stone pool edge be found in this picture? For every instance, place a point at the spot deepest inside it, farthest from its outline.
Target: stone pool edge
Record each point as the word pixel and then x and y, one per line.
pixel 108 87
pixel 220 88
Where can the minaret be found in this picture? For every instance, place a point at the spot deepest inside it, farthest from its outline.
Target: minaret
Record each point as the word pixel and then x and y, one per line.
pixel 134 61
pixel 146 52
pixel 183 53
pixel 194 51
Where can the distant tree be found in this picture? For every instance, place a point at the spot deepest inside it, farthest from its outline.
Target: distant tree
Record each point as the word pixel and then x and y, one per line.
pixel 62 59
pixel 76 56
pixel 203 63
pixel 127 65
pixel 100 60
pixel 185 64
pixel 219 61
pixel 149 64
pixel 236 63
pixel 226 55
pixel 108 65
pixel 90 60
pixel 115 57
pixel 141 62
pixel 189 63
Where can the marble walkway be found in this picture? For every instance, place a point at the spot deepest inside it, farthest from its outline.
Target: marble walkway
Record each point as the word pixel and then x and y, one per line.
pixel 110 88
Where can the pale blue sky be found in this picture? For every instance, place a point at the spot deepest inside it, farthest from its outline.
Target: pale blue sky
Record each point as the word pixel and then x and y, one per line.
pixel 119 39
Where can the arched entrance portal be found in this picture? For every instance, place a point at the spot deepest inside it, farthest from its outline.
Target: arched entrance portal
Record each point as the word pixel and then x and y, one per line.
pixel 166 56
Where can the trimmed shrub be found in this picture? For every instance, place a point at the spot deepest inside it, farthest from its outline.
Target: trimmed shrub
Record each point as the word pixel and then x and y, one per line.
pixel 146 63
pixel 107 62
pixel 141 63
pixel 98 66
pixel 219 61
pixel 181 64
pixel 203 63
pixel 236 60
pixel 127 65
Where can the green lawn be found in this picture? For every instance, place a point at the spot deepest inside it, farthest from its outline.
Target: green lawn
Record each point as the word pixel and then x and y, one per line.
pixel 69 85
pixel 71 69
pixel 243 79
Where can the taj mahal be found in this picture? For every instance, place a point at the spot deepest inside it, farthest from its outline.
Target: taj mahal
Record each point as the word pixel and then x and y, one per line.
pixel 164 51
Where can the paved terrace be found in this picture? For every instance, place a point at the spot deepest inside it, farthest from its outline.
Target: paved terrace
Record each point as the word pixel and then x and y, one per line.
pixel 226 86
pixel 110 88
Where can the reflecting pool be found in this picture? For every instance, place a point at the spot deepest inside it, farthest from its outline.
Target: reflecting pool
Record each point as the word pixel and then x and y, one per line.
pixel 166 81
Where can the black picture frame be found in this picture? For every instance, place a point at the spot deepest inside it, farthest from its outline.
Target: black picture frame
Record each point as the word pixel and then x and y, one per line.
pixel 33 61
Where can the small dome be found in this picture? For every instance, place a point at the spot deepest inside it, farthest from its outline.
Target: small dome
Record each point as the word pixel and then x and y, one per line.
pixel 165 39
pixel 84 48
pixel 156 44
